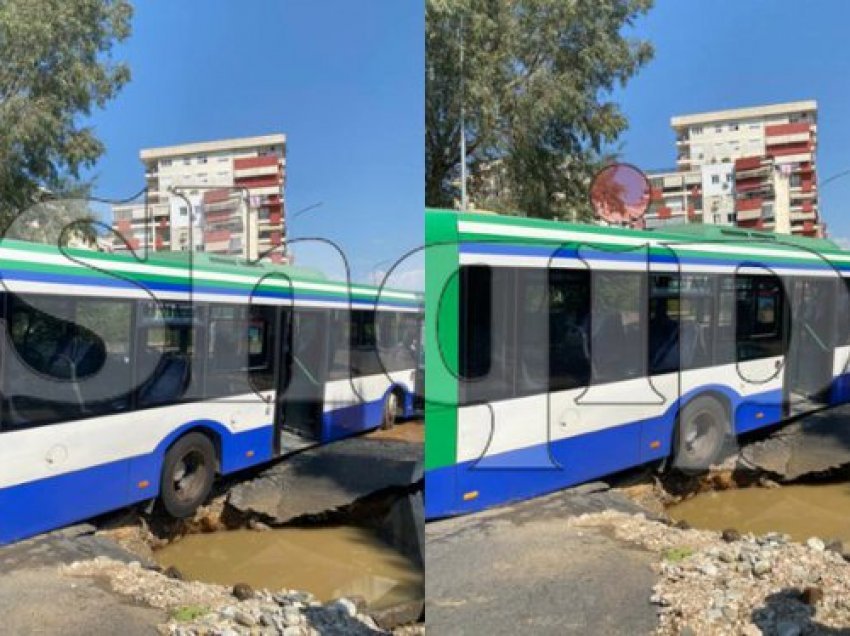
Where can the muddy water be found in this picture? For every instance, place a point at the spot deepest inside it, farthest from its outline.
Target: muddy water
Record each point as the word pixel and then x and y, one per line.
pixel 328 562
pixel 801 511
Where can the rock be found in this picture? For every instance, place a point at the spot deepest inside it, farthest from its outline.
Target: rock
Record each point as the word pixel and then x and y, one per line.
pixel 730 534
pixel 589 488
pixel 292 616
pixel 682 525
pixel 761 568
pixel 727 556
pixel 812 595
pixel 245 619
pixel 344 606
pixel 243 591
pixel 400 614
pixel 709 569
pixel 687 630
pixel 835 545
pixel 816 544
pixel 173 573
pixel 788 628
pixel 259 526
pixel 293 631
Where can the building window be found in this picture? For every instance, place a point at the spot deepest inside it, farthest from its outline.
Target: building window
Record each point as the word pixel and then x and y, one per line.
pixel 718 129
pixel 754 126
pixel 715 179
pixel 696 130
pixel 202 159
pixel 184 211
pixel 187 161
pixel 165 163
pixel 733 127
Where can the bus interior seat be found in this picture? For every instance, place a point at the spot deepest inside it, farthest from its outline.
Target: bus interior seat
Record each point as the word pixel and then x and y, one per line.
pixel 168 381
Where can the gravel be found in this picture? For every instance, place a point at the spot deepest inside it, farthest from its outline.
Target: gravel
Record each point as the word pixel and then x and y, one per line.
pixel 202 609
pixel 729 583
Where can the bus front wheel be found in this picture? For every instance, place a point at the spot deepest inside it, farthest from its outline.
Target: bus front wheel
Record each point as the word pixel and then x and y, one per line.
pixel 188 473
pixel 701 436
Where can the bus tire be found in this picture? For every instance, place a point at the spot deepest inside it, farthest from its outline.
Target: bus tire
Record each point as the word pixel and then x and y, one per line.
pixel 390 411
pixel 702 432
pixel 188 472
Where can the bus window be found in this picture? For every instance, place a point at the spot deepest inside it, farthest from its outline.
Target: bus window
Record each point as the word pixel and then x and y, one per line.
pixel 476 301
pixel 165 358
pixel 239 350
pixel 396 341
pixel 758 319
pixel 569 345
pixel 533 340
pixel 72 359
pixel 364 353
pixel 339 345
pixel 487 333
pixel 680 318
pixel 618 346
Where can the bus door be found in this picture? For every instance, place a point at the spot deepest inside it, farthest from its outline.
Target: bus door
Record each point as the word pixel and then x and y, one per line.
pixel 808 372
pixel 302 385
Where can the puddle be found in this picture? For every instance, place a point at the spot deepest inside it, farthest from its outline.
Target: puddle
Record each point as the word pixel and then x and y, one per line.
pixel 328 562
pixel 801 511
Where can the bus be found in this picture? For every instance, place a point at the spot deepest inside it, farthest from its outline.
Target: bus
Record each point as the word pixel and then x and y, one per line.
pixel 126 380
pixel 558 353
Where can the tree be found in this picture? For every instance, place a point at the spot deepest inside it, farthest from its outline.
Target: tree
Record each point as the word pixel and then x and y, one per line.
pixel 55 67
pixel 535 85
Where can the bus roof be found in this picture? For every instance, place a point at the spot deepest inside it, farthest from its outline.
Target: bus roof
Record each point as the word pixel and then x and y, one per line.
pixel 37 267
pixel 688 233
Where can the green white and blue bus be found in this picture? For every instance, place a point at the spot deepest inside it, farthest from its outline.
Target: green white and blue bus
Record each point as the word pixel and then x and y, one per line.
pixel 126 380
pixel 559 353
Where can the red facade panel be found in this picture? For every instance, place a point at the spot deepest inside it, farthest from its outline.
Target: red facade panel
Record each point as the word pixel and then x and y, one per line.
pixel 255 162
pixel 260 181
pixel 748 163
pixel 799 148
pixel 746 205
pixel 786 129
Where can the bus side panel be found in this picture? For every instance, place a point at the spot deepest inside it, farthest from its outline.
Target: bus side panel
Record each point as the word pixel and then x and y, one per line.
pixel 355 405
pixel 42 505
pixel 577 459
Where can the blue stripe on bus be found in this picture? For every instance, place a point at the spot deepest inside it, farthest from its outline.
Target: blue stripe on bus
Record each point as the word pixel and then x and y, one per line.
pixel 149 286
pixel 502 478
pixel 635 255
pixel 45 504
pixel 356 418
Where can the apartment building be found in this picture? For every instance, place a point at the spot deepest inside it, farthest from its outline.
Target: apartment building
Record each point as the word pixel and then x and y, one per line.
pixel 751 167
pixel 222 197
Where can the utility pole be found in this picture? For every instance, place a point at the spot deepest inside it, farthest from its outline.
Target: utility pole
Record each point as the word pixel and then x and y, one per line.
pixel 464 202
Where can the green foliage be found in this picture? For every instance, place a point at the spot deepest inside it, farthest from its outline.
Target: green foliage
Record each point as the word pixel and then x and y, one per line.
pixel 535 85
pixel 680 553
pixel 55 66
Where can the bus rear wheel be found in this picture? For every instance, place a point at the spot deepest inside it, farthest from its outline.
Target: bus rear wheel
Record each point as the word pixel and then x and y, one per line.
pixel 188 473
pixel 391 410
pixel 701 435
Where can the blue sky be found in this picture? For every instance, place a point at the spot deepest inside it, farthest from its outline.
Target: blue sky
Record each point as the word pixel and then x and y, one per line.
pixel 731 53
pixel 343 80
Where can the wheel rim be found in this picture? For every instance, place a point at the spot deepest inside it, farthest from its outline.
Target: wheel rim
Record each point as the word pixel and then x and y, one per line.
pixel 699 439
pixel 189 476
